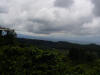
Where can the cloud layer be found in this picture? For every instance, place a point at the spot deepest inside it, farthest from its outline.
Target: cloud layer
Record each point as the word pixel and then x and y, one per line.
pixel 64 3
pixel 64 18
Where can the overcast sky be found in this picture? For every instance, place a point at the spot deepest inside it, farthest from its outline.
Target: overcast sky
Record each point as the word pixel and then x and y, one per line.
pixel 52 18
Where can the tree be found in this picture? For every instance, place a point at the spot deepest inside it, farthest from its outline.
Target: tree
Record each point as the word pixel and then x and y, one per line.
pixel 11 34
pixel 10 37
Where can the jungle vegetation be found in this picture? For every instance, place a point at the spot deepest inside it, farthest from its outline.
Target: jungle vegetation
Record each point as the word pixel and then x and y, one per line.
pixel 20 56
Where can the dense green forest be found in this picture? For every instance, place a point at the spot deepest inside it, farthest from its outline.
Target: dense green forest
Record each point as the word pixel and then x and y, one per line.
pixel 20 56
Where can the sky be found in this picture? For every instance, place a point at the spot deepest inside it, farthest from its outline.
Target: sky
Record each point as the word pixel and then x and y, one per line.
pixel 59 19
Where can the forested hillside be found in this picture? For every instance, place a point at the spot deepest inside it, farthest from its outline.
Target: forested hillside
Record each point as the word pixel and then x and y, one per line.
pixel 20 56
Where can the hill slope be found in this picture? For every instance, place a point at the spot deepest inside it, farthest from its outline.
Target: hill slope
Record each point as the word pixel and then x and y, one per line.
pixel 38 57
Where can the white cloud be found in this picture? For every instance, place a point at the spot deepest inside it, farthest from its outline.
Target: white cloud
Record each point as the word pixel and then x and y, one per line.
pixel 51 17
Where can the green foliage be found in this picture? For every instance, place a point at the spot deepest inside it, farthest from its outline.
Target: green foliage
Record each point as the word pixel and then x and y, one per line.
pixel 15 60
pixel 81 55
pixel 26 59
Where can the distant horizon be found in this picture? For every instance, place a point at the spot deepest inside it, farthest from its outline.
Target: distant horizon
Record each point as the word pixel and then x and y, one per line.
pixel 77 41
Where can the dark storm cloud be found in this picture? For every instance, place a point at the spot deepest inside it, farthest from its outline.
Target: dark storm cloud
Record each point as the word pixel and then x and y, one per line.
pixel 63 3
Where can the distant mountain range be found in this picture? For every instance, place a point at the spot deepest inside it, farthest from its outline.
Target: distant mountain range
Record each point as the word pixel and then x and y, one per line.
pixel 79 41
